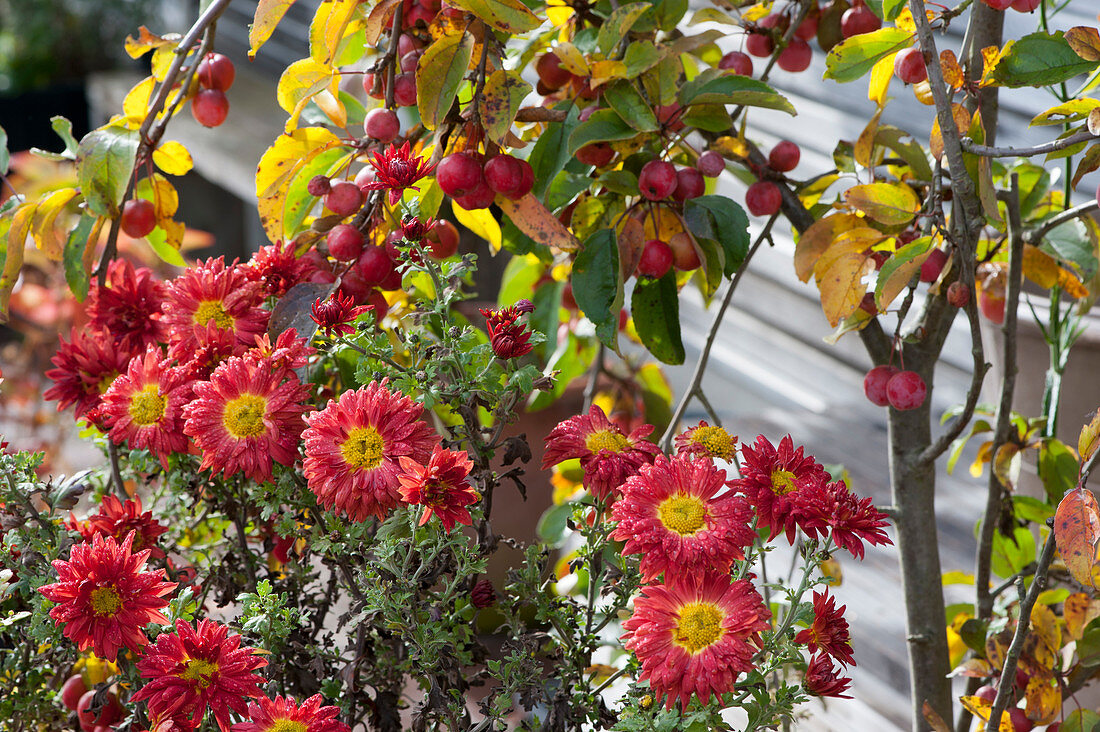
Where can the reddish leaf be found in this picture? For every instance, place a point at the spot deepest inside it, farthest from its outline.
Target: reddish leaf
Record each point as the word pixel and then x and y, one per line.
pixel 1077 530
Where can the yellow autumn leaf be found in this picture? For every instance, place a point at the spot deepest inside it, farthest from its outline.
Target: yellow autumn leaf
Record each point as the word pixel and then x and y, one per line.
pixel 1044 270
pixel 144 43
pixel 865 145
pixel 533 218
pixel 300 82
pixel 173 158
pixel 881 73
pixel 328 28
pixel 840 271
pixel 952 72
pixel 962 123
pixel 892 204
pixel 287 154
pixel 571 59
pixel 268 14
pixel 816 239
pixel 1078 611
pixel 605 71
pixel 136 104
pixel 558 13
pixel 20 226
pixel 981 709
pixel 43 229
pixel 482 223
pixel 1044 699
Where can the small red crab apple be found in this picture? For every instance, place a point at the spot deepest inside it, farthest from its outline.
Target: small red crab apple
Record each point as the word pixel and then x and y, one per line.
pixel 210 107
pixel 509 176
pixel 216 72
pixel 597 154
pixel 139 217
pixel 1020 722
pixel 711 164
pixel 874 384
pixel 1026 6
pixel 689 184
pixel 442 240
pixel 72 690
pixel 857 21
pixel 932 267
pixel 760 45
pixel 318 185
pixel 796 56
pixel 344 198
pixel 684 255
pixel 763 198
pixel 958 294
pixel 345 243
pixel 657 180
pixel 656 259
pixel 906 390
pixel 551 73
pixel 737 62
pixel 998 4
pixel 909 66
pixel 382 124
pixel 784 156
pixel 459 174
pixel 109 713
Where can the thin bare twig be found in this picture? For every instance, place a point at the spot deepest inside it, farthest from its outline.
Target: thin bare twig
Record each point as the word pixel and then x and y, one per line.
pixel 1026 152
pixel 1035 236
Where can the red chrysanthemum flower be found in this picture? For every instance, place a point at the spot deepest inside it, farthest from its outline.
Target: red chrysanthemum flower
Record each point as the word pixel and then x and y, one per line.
pixel 823 678
pixel 440 486
pixel 196 668
pixel 247 417
pixel 145 406
pixel 128 307
pixel 851 520
pixel 353 446
pixel 508 337
pixel 607 454
pixel 285 715
pixel 779 484
pixel 117 519
pixel 215 347
pixel 415 229
pixel 335 315
pixel 276 268
pixel 106 600
pixel 288 352
pixel 829 631
pixel 396 169
pixel 86 366
pixel 695 635
pixel 210 292
pixel 709 441
pixel 671 514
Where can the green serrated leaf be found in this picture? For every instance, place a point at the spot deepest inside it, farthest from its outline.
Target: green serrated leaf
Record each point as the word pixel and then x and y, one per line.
pixel 1039 59
pixel 105 162
pixel 439 73
pixel 722 220
pixel 73 257
pixel 597 287
pixel 655 307
pixel 630 106
pixel 605 125
pixel 715 86
pixel 551 153
pixel 618 24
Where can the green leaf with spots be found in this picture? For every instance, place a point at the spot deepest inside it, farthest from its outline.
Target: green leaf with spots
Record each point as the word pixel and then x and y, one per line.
pixel 104 164
pixel 655 307
pixel 597 287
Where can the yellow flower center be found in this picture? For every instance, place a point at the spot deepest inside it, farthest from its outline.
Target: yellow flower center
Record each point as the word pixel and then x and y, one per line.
pixel 199 671
pixel 715 440
pixel 363 448
pixel 700 626
pixel 287 725
pixel 147 406
pixel 105 381
pixel 213 310
pixel 244 416
pixel 105 600
pixel 606 440
pixel 783 482
pixel 683 514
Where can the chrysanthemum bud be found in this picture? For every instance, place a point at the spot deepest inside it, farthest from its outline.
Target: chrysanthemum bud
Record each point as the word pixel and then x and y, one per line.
pixel 483 595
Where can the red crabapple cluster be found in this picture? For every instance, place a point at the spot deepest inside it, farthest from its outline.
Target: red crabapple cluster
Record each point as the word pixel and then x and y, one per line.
pixel 210 105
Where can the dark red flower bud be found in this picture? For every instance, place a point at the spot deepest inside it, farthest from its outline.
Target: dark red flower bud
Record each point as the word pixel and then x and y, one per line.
pixel 483 595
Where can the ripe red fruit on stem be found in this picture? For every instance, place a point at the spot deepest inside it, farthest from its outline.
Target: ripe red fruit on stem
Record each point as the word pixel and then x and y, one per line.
pixel 344 198
pixel 796 56
pixel 442 240
pixel 374 265
pixel 958 294
pixel 987 692
pixel 1020 722
pixel 345 242
pixel 404 89
pixel 318 185
pixel 759 44
pixel 807 29
pixel 657 180
pixel 108 714
pixel 1026 6
pixel 906 390
pixel 656 259
pixel 210 107
pixel 139 217
pixel 507 176
pixel 684 255
pixel 737 62
pixel 784 156
pixel 857 21
pixel 689 184
pixel 763 198
pixel 382 124
pixel 874 384
pixel 551 72
pixel 71 691
pixel 909 66
pixel 480 197
pixel 597 154
pixel 216 72
pixel 991 306
pixel 458 174
pixel 711 164
pixel 998 4
pixel 932 267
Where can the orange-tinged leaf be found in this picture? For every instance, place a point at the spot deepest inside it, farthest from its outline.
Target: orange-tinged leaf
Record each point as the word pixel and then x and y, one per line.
pixel 1085 42
pixel 1078 611
pixel 1044 699
pixel 990 55
pixel 439 74
pixel 978 466
pixel 328 27
pixel 605 71
pixel 1089 439
pixel 975 668
pixel 981 709
pixel 892 204
pixel 1077 530
pixel 572 59
pixel 268 15
pixel 816 239
pixel 533 218
pixel 173 158
pixel 996 648
pixel 43 230
pixel 831 571
pixel 332 107
pixel 1007 464
pixel 934 719
pixel 144 43
pixel 299 83
pixel 662 223
pixel 865 145
pixel 378 19
pixel 510 16
pixel 1044 624
pixel 962 123
pixel 840 272
pixel 1044 270
pixel 731 147
pixel 631 238
pixel 899 269
pixel 952 72
pixel 281 160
